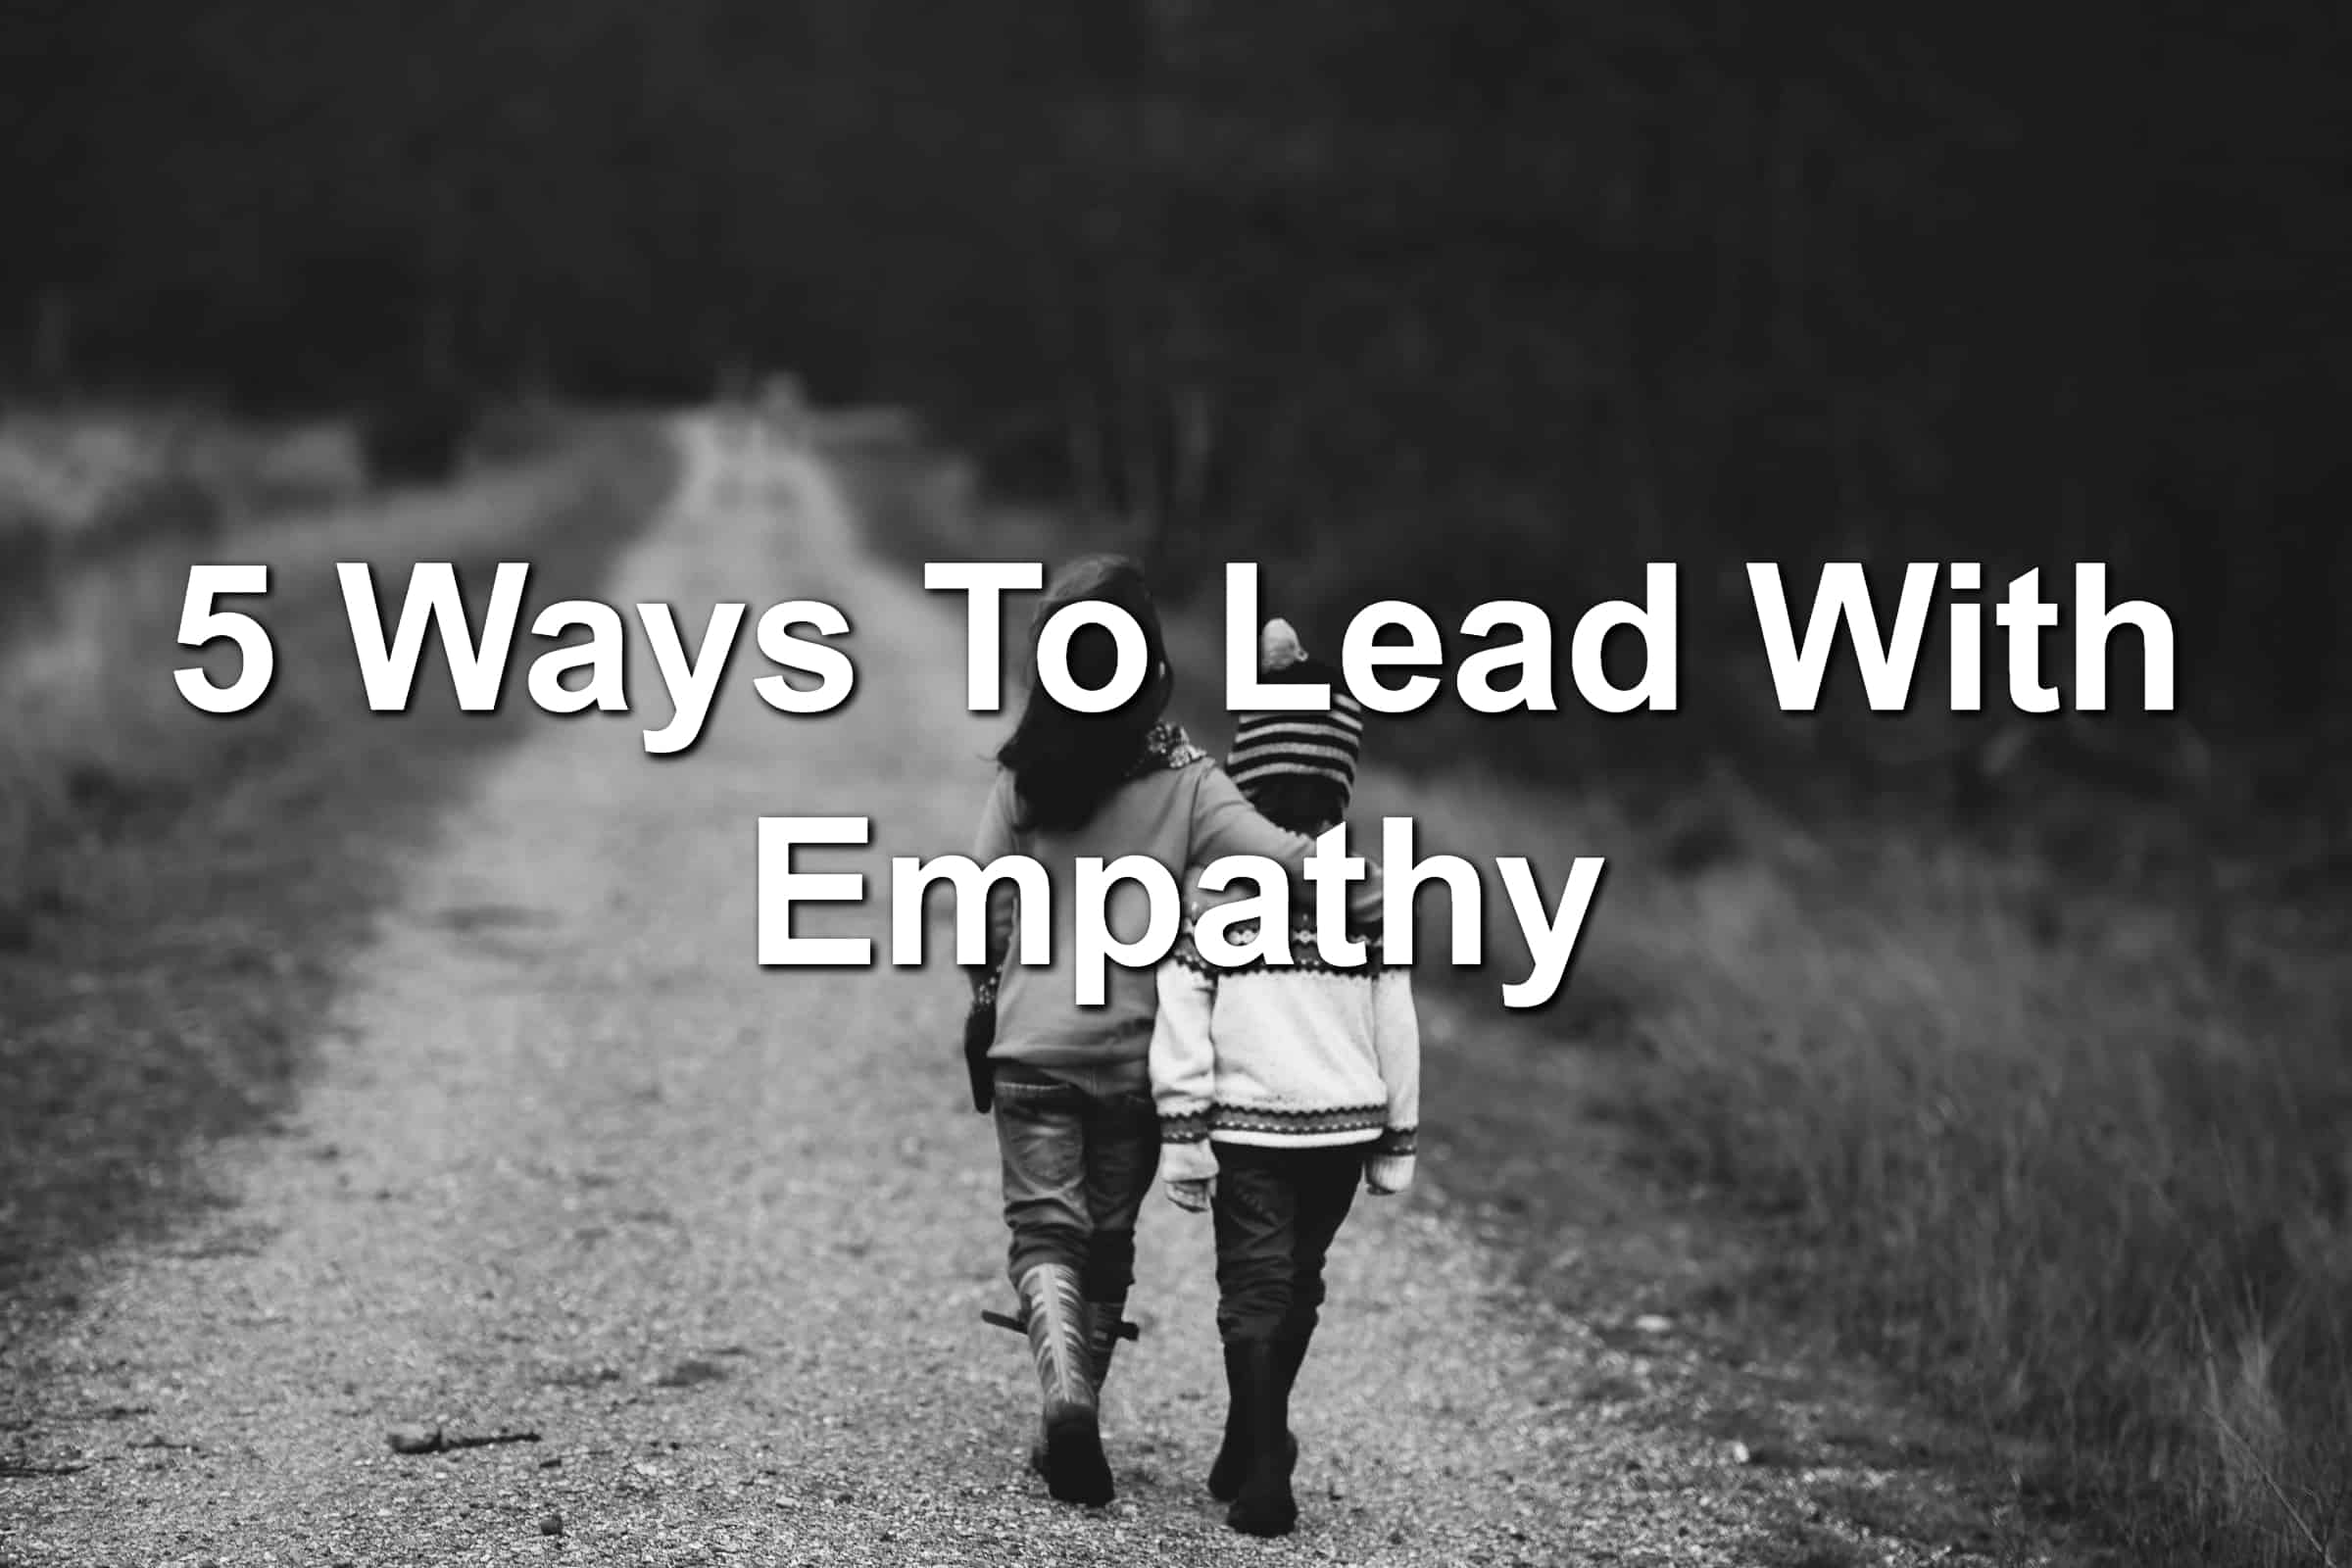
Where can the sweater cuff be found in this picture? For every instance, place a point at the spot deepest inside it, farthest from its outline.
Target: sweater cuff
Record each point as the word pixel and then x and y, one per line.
pixel 1398 1140
pixel 1187 1127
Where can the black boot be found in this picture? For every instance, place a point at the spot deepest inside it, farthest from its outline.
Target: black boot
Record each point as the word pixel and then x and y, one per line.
pixel 1232 1456
pixel 1265 1505
pixel 1290 1353
pixel 1074 1467
pixel 1102 1320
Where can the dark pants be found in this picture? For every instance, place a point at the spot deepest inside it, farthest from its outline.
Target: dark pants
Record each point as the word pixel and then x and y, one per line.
pixel 1276 1212
pixel 1077 1164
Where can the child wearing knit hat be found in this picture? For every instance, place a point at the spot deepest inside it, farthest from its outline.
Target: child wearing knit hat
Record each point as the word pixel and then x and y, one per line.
pixel 1278 1087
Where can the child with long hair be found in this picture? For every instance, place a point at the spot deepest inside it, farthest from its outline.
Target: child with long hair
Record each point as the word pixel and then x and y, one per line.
pixel 1076 1126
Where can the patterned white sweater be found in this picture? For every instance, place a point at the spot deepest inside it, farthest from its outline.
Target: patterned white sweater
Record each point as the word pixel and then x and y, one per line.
pixel 1298 1056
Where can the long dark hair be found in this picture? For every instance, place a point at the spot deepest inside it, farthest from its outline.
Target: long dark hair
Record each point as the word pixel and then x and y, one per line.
pixel 1066 765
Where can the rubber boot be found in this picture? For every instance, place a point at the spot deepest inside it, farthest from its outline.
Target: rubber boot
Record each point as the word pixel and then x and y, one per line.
pixel 1074 1467
pixel 1102 1320
pixel 1233 1455
pixel 1290 1353
pixel 1265 1505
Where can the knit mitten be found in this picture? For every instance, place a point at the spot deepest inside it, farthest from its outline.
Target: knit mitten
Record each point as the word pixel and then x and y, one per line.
pixel 1386 1175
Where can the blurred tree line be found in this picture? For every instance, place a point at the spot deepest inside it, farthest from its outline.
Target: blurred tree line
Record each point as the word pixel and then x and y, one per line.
pixel 1501 296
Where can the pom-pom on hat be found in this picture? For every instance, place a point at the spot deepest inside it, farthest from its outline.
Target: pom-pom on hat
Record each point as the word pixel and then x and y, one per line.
pixel 1322 745
pixel 1278 647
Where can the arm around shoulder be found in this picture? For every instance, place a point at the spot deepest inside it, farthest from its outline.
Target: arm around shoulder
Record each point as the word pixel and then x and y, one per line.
pixel 1225 823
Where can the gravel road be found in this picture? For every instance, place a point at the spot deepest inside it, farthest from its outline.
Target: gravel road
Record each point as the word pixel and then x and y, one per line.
pixel 572 1165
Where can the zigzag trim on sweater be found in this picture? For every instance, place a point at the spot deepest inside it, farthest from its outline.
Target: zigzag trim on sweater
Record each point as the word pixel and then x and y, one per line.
pixel 1307 956
pixel 1189 1128
pixel 1193 1126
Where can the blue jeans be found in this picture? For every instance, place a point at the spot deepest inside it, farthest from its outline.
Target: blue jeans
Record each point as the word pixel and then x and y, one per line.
pixel 1079 1157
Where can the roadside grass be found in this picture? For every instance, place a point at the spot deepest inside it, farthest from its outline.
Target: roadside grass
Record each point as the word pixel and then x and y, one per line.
pixel 2062 1140
pixel 176 889
pixel 2008 1132
pixel 82 486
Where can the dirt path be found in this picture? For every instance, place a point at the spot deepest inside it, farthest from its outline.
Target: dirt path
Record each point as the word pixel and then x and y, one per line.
pixel 573 1164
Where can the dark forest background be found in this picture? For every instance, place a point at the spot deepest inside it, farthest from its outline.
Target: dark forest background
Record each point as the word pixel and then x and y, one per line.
pixel 1425 298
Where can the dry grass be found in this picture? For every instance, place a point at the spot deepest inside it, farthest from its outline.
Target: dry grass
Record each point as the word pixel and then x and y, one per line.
pixel 96 719
pixel 2042 1149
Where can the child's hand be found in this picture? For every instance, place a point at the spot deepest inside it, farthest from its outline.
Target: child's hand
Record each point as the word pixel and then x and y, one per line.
pixel 1188 1171
pixel 1387 1175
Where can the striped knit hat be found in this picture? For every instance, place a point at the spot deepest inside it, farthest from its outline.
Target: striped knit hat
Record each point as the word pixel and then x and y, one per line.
pixel 1312 745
